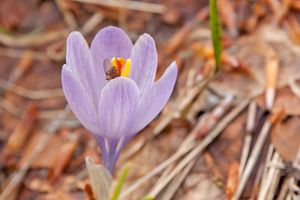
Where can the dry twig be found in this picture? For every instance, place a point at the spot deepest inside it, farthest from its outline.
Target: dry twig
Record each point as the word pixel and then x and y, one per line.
pixel 133 5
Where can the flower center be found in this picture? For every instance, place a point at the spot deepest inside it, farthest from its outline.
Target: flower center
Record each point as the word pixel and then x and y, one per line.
pixel 116 67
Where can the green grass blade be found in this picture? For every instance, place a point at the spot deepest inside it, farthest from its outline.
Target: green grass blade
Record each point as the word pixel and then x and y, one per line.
pixel 148 198
pixel 215 27
pixel 120 183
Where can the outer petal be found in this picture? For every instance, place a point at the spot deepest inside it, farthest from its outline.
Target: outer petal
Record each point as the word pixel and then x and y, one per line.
pixel 118 103
pixel 144 62
pixel 79 60
pixel 108 43
pixel 153 101
pixel 79 101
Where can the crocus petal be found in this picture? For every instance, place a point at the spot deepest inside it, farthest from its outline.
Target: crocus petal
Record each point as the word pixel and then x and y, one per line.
pixel 79 101
pixel 153 101
pixel 144 62
pixel 108 43
pixel 79 60
pixel 118 102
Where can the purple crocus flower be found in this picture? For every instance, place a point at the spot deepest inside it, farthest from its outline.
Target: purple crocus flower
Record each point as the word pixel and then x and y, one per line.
pixel 116 104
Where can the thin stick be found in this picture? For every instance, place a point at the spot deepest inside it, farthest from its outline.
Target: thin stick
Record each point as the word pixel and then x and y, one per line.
pixel 155 171
pixel 248 138
pixel 267 183
pixel 257 181
pixel 252 159
pixel 289 196
pixel 187 141
pixel 32 40
pixel 201 146
pixel 177 181
pixel 268 160
pixel 91 23
pixel 133 5
pixel 284 188
pixel 19 175
pixel 30 94
pixel 256 152
pixel 274 183
pixel 10 107
pixel 15 53
pixel 81 175
pixel 185 147
pixel 68 15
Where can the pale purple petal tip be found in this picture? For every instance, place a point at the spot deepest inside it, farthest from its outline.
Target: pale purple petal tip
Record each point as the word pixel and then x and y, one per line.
pixel 144 62
pixel 154 99
pixel 79 101
pixel 79 60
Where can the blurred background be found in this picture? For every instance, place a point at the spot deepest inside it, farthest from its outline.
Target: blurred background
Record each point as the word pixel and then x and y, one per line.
pixel 43 146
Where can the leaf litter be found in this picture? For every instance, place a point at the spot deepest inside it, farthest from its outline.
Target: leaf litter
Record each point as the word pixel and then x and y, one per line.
pixel 233 160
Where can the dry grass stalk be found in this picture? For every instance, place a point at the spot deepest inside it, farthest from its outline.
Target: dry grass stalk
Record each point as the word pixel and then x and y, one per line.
pixel 266 163
pixel 257 181
pixel 30 94
pixel 255 153
pixel 252 160
pixel 284 188
pixel 15 53
pixel 68 15
pixel 215 116
pixel 156 170
pixel 57 51
pixel 248 138
pixel 201 146
pixel 132 5
pixel 18 176
pixel 91 23
pixel 270 178
pixel 185 147
pixel 274 183
pixel 24 64
pixel 177 181
pixel 32 40
pixel 177 39
pixel 10 107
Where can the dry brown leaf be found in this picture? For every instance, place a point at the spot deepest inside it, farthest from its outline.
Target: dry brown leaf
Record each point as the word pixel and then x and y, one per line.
pixel 286 138
pixel 284 99
pixel 48 155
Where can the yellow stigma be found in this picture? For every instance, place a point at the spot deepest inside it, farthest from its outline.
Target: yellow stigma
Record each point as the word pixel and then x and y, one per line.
pixel 126 68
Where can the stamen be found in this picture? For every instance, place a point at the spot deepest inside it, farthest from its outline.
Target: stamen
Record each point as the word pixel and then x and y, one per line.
pixel 126 68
